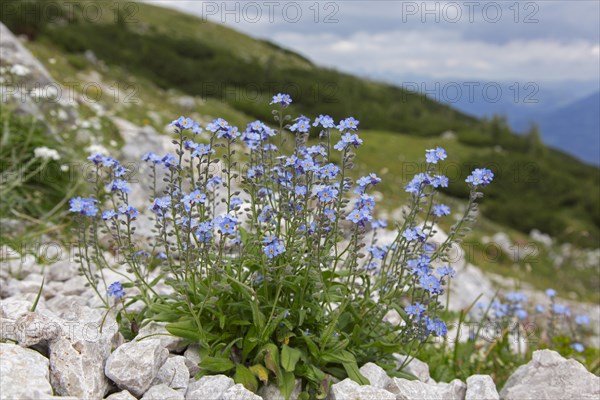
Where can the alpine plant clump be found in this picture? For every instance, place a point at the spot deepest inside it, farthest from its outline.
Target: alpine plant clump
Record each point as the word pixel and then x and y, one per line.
pixel 278 267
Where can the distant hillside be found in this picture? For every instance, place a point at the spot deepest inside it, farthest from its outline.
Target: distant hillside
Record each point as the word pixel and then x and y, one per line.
pixel 209 60
pixel 574 128
pixel 220 65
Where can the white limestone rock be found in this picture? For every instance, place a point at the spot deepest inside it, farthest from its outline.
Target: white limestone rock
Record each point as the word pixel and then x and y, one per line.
pixel 32 328
pixel 376 375
pixel 74 286
pixel 550 376
pixel 174 373
pixel 18 265
pixel 481 387
pixel 212 385
pixel 134 365
pixel 24 373
pixel 61 304
pixel 158 330
pixel 348 389
pixel 12 308
pixel 455 390
pixel 124 395
pixel 78 355
pixel 409 390
pixel 415 367
pixel 13 52
pixel 62 271
pixel 238 392
pixel 192 359
pixel 162 392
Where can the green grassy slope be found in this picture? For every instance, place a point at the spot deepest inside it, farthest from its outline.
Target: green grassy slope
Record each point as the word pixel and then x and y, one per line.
pixel 166 54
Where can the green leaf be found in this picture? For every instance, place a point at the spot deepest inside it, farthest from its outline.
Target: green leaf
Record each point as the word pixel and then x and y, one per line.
pixel 335 371
pixel 186 329
pixel 168 316
pixel 243 235
pixel 39 294
pixel 403 375
pixel 338 357
pixel 258 317
pixel 271 327
pixel 289 357
pixel 312 347
pixel 217 364
pixel 314 374
pixel 159 308
pixel 245 377
pixel 339 346
pixel 227 349
pixel 301 316
pixel 354 373
pixel 250 342
pixel 286 384
pixel 240 322
pixel 345 320
pixel 387 346
pixel 348 361
pixel 159 278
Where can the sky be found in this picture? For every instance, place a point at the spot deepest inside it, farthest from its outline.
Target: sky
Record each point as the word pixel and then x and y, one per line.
pixel 554 44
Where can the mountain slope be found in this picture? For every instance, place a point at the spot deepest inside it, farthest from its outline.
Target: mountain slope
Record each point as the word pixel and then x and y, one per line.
pixel 575 128
pixel 209 60
pixel 235 75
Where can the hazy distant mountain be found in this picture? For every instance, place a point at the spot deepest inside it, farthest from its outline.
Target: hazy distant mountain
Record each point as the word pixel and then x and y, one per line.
pixel 516 100
pixel 567 114
pixel 574 128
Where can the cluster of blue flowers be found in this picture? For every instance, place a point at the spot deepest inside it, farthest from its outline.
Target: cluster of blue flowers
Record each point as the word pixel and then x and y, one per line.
pixel 480 177
pixel 422 180
pixel 414 233
pixel 273 246
pixel 441 210
pixel 116 290
pixel 431 281
pixel 293 209
pixel 115 185
pixel 83 206
pixel 282 99
pixel 434 155
pixel 515 306
pixel 432 326
pixel 558 312
pixel 183 123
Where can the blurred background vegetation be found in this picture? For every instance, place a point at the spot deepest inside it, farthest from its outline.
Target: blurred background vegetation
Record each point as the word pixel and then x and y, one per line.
pixel 536 187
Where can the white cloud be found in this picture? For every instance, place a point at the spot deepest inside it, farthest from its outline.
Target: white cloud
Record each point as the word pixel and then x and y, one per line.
pixel 441 54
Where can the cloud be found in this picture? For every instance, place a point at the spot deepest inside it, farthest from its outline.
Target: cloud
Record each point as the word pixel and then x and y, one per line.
pixel 443 54
pixel 534 41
